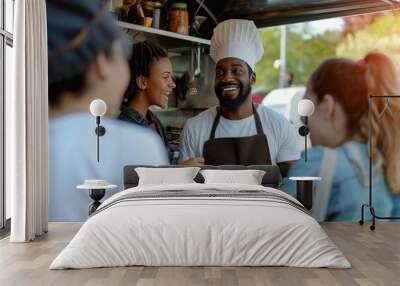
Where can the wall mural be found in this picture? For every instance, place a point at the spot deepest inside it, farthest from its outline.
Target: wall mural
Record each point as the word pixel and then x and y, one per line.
pixel 114 104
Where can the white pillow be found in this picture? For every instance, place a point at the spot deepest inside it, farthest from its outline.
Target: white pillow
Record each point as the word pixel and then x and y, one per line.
pixel 166 176
pixel 248 177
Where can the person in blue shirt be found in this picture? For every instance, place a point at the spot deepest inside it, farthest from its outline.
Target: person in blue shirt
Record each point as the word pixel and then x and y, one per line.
pixel 339 131
pixel 88 60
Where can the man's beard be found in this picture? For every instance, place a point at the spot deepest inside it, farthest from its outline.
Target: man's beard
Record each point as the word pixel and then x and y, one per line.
pixel 236 102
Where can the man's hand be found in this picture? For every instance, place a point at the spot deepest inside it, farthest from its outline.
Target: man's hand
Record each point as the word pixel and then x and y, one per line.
pixel 198 161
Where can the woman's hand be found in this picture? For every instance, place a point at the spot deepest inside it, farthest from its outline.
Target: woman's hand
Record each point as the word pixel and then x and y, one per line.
pixel 198 161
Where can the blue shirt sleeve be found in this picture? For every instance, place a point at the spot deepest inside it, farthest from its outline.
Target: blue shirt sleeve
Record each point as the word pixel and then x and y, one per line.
pixel 300 168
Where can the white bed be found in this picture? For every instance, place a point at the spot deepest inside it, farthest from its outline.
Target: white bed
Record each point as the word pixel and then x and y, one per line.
pixel 224 225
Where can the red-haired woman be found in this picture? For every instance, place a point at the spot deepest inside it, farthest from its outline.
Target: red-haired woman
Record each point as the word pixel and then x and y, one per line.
pixel 339 89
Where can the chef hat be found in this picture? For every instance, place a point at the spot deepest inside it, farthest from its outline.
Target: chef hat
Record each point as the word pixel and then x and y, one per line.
pixel 237 39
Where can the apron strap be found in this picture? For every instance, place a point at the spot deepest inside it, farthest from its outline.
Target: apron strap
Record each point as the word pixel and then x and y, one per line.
pixel 257 119
pixel 218 116
pixel 215 124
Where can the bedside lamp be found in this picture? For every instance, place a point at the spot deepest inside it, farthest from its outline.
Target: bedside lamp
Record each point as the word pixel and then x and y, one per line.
pixel 304 190
pixel 305 108
pixel 98 108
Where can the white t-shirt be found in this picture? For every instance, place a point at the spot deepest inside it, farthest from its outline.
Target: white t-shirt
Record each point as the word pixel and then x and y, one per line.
pixel 72 159
pixel 282 138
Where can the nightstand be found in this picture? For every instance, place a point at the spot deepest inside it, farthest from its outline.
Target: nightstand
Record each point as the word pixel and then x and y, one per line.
pixel 96 192
pixel 304 190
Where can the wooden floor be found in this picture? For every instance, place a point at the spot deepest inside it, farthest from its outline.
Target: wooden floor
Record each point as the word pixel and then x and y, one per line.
pixel 374 255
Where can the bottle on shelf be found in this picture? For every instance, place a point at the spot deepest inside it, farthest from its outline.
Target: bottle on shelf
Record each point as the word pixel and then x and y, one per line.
pixel 157 14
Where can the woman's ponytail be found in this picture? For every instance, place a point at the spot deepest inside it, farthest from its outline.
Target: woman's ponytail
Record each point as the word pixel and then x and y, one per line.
pixel 382 80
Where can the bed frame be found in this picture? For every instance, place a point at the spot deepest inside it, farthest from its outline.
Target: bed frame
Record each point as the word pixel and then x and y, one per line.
pixel 272 177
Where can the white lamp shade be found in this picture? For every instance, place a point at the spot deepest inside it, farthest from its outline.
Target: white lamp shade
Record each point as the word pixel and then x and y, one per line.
pixel 98 107
pixel 305 107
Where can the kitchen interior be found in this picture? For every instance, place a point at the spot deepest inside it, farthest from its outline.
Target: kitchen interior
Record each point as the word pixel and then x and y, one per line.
pixel 184 29
pixel 176 28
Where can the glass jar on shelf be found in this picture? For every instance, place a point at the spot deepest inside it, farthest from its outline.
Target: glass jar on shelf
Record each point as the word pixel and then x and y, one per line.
pixel 148 8
pixel 179 18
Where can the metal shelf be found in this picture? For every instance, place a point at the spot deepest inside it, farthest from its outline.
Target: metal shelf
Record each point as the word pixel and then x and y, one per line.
pixel 167 39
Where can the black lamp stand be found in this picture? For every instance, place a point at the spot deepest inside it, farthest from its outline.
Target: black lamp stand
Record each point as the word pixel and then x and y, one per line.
pixel 100 131
pixel 304 193
pixel 96 195
pixel 303 131
pixel 370 204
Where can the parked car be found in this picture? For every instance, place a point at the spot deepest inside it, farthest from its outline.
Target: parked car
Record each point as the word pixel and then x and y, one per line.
pixel 285 101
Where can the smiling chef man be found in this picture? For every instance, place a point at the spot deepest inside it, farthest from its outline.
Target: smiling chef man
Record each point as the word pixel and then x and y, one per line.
pixel 237 131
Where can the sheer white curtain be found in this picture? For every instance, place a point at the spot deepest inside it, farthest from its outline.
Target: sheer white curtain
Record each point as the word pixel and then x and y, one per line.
pixel 26 124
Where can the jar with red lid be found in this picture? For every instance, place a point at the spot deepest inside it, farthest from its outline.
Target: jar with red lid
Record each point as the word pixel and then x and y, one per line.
pixel 179 18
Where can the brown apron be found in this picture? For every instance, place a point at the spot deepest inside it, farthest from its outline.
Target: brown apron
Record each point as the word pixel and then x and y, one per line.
pixel 251 150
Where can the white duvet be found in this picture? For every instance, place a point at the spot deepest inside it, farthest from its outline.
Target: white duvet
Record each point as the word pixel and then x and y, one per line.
pixel 200 231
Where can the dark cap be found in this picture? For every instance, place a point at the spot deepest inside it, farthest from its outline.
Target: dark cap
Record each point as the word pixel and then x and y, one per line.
pixel 77 31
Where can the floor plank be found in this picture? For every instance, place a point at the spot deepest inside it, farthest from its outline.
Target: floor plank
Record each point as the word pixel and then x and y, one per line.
pixel 374 255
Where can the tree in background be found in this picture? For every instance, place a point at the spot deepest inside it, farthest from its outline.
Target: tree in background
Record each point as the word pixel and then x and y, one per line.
pixel 305 51
pixel 380 31
pixel 267 75
pixel 352 24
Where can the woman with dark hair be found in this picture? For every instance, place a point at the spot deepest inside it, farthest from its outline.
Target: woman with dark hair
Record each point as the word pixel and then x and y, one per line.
pixel 87 60
pixel 151 83
pixel 339 131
